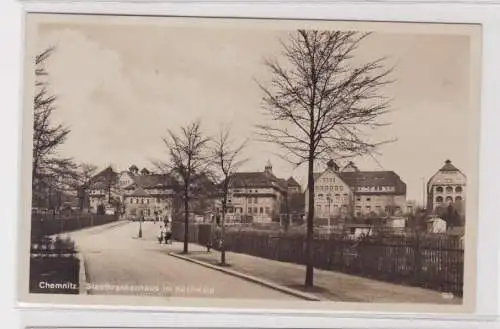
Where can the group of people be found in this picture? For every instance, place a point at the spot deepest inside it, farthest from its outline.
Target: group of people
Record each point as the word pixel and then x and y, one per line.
pixel 165 234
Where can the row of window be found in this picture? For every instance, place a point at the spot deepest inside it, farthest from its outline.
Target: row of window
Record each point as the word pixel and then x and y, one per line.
pixel 143 200
pixel 439 199
pixel 321 195
pixel 329 188
pixel 251 210
pixel 449 189
pixel 376 188
pixel 249 191
pixel 327 180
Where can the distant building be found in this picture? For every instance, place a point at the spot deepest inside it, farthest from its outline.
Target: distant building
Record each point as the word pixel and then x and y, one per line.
pixel 146 192
pixel 131 192
pixel 258 197
pixel 351 192
pixel 376 193
pixel 447 187
pixel 102 189
pixel 333 195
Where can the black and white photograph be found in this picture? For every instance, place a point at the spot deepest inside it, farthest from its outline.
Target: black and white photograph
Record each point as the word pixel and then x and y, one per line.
pixel 286 163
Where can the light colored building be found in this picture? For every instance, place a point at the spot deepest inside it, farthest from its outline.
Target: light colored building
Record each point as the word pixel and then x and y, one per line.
pixel 146 192
pixel 256 197
pixel 354 193
pixel 333 196
pixel 447 187
pixel 102 190
pixel 133 191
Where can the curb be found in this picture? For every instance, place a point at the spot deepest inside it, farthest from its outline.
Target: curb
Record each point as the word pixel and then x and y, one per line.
pixel 250 278
pixel 82 284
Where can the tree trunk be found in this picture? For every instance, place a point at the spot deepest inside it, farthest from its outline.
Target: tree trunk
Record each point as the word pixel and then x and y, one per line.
pixel 310 218
pixel 186 221
pixel 223 231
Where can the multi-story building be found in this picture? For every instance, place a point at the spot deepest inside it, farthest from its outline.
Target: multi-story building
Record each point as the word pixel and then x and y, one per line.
pixel 102 190
pixel 257 197
pixel 333 196
pixel 133 191
pixel 375 193
pixel 446 187
pixel 351 192
pixel 146 192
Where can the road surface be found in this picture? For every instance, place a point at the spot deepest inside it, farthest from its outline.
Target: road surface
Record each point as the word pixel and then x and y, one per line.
pixel 118 262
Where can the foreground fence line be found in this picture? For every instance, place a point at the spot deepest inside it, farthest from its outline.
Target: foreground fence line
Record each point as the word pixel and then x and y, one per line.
pixel 43 225
pixel 430 262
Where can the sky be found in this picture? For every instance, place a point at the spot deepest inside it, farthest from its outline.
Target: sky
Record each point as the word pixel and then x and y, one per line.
pixel 121 87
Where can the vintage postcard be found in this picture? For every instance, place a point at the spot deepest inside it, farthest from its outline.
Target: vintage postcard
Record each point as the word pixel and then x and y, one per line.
pixel 250 163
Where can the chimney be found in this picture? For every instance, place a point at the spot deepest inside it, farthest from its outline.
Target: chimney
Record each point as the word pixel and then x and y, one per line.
pixel 268 169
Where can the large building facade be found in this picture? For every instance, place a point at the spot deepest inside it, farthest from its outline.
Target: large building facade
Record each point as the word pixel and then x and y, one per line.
pixel 131 192
pixel 352 193
pixel 257 197
pixel 446 187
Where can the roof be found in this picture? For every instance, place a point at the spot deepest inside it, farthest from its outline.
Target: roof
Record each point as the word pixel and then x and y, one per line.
pixel 291 182
pixel 374 178
pixel 152 181
pixel 448 167
pixel 371 178
pixel 257 179
pixel 139 192
pixel 103 178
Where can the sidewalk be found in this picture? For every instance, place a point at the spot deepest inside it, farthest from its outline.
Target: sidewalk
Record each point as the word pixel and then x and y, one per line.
pixel 329 285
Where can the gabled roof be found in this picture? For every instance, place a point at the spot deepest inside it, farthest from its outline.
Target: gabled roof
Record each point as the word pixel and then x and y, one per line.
pixel 374 178
pixel 256 179
pixel 152 181
pixel 139 192
pixel 103 178
pixel 291 182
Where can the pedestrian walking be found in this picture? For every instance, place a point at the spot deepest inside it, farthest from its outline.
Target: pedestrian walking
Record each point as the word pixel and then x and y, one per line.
pixel 161 235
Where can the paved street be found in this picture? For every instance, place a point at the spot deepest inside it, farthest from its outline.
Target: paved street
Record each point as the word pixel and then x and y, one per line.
pixel 117 262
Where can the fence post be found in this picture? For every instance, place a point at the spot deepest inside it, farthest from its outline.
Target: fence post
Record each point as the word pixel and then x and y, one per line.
pixel 417 259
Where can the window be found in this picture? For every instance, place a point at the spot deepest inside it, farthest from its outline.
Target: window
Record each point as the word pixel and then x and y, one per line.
pixel 147 201
pixel 358 199
pixel 249 210
pixel 449 189
pixel 458 189
pixel 250 200
pixel 336 188
pixel 261 210
pixel 458 199
pixel 255 210
pixel 449 199
pixel 368 199
pixel 337 195
pixel 268 211
pixel 439 189
pixel 341 188
pixel 439 199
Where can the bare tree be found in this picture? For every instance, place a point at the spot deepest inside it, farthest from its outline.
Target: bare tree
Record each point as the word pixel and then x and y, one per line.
pixel 188 163
pixel 226 159
pixel 47 136
pixel 86 172
pixel 321 103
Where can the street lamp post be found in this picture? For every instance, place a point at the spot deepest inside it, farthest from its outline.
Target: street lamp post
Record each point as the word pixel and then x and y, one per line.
pixel 329 214
pixel 140 225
